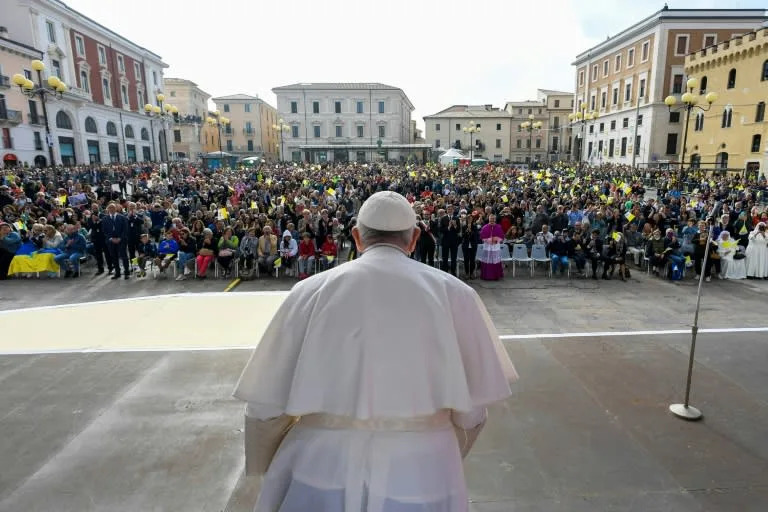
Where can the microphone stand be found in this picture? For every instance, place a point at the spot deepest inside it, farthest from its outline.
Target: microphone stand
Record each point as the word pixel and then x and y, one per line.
pixel 685 410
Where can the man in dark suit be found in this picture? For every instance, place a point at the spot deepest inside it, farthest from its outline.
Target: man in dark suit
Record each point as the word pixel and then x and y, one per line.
pixel 449 228
pixel 115 227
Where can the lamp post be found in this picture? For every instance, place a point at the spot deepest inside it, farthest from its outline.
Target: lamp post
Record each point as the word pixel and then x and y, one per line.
pixel 165 113
pixel 583 117
pixel 282 128
pixel 472 129
pixel 530 125
pixel 53 86
pixel 218 121
pixel 690 102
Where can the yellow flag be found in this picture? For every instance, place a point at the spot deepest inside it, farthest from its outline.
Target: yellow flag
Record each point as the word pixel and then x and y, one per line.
pixel 603 197
pixel 505 198
pixel 627 190
pixel 596 188
pixel 521 179
pixel 615 235
pixel 305 182
pixel 19 225
pixel 629 216
pixel 330 258
pixel 330 191
pixel 253 205
pixel 278 262
pixel 223 213
pixel 412 174
pixel 62 200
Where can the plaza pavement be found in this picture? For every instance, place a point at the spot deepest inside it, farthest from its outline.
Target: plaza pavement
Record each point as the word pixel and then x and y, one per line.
pixel 587 427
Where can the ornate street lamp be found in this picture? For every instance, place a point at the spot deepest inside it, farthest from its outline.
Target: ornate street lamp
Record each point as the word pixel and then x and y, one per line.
pixel 690 101
pixel 530 125
pixel 166 114
pixel 218 121
pixel 282 128
pixel 51 87
pixel 472 129
pixel 583 117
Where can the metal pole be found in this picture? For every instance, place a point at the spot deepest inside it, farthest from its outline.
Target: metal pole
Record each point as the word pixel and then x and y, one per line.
pixel 684 410
pixel 635 149
pixel 48 136
pixel 688 109
pixel 152 128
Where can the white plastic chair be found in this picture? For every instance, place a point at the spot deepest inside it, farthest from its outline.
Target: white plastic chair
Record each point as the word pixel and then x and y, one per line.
pixel 539 255
pixel 519 255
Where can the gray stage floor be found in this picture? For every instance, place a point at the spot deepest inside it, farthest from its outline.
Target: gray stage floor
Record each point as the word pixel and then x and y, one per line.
pixel 586 429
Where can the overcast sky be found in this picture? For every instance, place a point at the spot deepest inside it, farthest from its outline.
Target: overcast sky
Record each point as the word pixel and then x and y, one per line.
pixel 440 53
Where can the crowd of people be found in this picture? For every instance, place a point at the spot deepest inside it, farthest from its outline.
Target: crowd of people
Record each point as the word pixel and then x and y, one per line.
pixel 295 219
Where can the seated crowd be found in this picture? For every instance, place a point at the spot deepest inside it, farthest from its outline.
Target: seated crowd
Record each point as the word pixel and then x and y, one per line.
pixel 297 218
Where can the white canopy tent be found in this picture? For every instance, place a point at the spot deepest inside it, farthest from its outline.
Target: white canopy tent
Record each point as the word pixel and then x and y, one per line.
pixel 449 156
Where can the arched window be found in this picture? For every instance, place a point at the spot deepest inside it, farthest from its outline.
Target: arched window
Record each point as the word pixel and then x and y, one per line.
pixel 756 139
pixel 111 129
pixel 764 75
pixel 760 112
pixel 695 161
pixel 727 117
pixel 144 134
pixel 731 79
pixel 84 85
pixel 128 131
pixel 105 88
pixel 63 121
pixel 90 125
pixel 721 161
pixel 703 85
pixel 699 126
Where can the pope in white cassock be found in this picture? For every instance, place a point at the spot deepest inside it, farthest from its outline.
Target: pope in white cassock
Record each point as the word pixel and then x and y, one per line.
pixel 389 365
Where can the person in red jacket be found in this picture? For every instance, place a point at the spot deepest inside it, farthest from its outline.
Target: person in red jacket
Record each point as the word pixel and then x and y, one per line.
pixel 329 252
pixel 307 251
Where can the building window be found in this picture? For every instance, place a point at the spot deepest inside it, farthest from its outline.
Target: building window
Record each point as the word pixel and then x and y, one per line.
pixel 606 65
pixel 498 143
pixel 615 96
pixel 555 123
pixel 38 141
pixel 56 68
pixel 528 144
pixel 630 57
pixel 617 64
pixel 51 31
pixel 226 107
pixel 641 91
pixel 628 92
pixel 645 50
pixel 703 85
pixel 538 143
pixel 247 107
pixel 581 78
pixel 84 81
pixel 144 134
pixel 613 124
pixel 154 78
pixel 437 143
pixel 756 143
pixel 555 143
pixel 592 103
pixel 295 131
pixel 458 127
pixel 139 100
pixel 594 72
pixel 611 145
pixel 710 40
pixel 176 135
pixel 764 75
pixel 731 79
pixel 80 46
pixel 315 107
pixel 437 127
pixel 359 107
pixel 102 56
pixel 229 145
pixel 129 131
pixel 677 84
pixel 681 44
pixel 250 145
pixel 337 107
pixel 760 112
pixel 338 130
pixel 625 122
pixel 173 94
pixel 137 71
pixel 721 160
pixel 111 129
pixel 699 122
pixel 591 129
pixel 294 107
pixel 498 127
pixel 637 145
pixel 674 117
pixel 381 107
pixel 124 92
pixel 105 88
pixel 121 63
pixel 382 131
pixel 519 144
pixel 90 125
pixel 727 115
pixel 360 131
pixel 602 127
pixel 248 128
pixel 623 151
pixel 603 99
pixel 671 143
pixel 316 131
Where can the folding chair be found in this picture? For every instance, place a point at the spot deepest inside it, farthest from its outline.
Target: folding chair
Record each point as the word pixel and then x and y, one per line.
pixel 519 255
pixel 539 255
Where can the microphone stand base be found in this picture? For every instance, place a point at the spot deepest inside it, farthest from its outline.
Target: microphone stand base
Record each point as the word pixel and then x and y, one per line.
pixel 685 412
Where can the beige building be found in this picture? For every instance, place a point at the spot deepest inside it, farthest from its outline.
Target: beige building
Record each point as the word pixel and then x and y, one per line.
pixel 192 103
pixel 250 131
pixel 446 129
pixel 625 79
pixel 732 133
pixel 22 124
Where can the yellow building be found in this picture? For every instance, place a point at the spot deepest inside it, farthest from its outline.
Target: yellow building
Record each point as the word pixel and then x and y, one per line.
pixel 250 130
pixel 209 137
pixel 732 134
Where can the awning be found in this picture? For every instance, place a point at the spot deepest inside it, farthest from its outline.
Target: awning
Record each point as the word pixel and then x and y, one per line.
pixel 10 157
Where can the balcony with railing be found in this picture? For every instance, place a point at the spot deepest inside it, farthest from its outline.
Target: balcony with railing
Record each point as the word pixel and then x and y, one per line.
pixel 5 82
pixel 249 131
pixel 10 116
pixel 35 119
